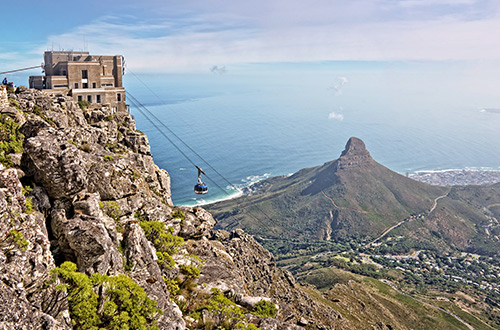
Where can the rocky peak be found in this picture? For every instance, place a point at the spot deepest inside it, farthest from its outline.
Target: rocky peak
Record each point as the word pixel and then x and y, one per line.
pixel 354 155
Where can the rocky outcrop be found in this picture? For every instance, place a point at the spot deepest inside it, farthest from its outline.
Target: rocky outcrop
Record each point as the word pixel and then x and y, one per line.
pixel 3 97
pixel 354 155
pixel 25 264
pixel 83 189
pixel 236 264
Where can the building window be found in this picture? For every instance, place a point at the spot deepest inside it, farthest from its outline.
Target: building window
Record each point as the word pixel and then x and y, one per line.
pixel 98 99
pixel 64 72
pixel 85 85
pixel 94 85
pixel 89 98
pixel 76 85
pixel 85 74
pixel 80 98
pixel 119 97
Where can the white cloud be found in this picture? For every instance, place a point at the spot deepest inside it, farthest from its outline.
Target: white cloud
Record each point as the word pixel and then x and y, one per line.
pixel 335 116
pixel 294 31
pixel 337 85
pixel 218 69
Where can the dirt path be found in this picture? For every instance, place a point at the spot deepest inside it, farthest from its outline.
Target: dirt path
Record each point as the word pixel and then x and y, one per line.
pixel 409 219
pixel 436 202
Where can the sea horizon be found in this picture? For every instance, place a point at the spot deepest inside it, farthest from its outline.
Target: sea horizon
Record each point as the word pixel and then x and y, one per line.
pixel 247 126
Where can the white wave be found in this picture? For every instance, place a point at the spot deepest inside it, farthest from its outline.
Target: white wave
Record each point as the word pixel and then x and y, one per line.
pixel 202 201
pixel 235 191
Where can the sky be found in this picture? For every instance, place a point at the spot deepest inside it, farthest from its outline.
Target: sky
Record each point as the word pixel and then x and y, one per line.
pixel 173 36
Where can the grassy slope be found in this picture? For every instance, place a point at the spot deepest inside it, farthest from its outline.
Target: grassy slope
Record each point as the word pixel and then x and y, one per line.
pixel 321 203
pixel 366 302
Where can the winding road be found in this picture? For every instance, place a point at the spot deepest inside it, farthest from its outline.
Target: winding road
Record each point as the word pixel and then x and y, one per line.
pixel 409 219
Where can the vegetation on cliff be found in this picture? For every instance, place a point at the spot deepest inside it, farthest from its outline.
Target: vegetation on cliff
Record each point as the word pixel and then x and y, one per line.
pixel 106 302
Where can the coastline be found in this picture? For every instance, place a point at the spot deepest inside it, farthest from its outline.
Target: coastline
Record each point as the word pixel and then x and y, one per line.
pixel 447 177
pixel 457 177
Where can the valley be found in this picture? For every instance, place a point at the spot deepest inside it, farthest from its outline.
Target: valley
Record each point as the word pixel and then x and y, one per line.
pixel 352 224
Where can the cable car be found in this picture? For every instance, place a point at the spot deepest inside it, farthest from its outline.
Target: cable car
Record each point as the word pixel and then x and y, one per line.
pixel 200 188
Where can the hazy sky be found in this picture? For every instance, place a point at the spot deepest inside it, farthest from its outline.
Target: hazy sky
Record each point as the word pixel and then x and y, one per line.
pixel 194 35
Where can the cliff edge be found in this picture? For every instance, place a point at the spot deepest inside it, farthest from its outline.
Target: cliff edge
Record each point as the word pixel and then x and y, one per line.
pixel 78 186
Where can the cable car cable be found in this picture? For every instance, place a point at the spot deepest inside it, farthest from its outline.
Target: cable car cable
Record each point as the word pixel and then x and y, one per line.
pixel 23 69
pixel 138 105
pixel 192 150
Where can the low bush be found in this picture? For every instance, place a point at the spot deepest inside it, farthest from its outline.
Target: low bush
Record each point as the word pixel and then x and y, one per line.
pixel 105 302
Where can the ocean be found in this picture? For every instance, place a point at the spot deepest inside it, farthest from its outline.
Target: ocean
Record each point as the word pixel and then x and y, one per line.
pixel 258 121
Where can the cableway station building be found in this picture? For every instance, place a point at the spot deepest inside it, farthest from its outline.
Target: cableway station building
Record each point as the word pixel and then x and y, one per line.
pixel 93 78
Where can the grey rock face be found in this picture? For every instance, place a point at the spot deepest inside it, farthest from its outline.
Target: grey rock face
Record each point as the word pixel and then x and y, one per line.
pixel 25 262
pixel 240 267
pixel 93 182
pixel 354 155
pixel 85 240
pixel 145 271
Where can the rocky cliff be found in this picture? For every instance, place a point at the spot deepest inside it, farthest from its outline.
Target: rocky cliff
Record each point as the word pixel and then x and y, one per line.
pixel 78 184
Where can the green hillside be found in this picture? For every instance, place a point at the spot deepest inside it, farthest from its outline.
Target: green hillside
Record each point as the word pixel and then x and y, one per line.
pixel 353 197
pixel 347 225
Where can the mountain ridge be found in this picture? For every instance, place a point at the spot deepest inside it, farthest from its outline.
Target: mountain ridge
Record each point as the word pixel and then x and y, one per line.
pixel 354 197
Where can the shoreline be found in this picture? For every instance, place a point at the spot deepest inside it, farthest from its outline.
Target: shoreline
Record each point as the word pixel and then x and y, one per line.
pixel 447 177
pixel 457 177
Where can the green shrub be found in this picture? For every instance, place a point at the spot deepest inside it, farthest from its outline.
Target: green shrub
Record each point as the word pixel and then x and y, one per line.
pixel 11 140
pixel 139 216
pixel 162 239
pixel 106 302
pixel 249 326
pixel 172 286
pixel 114 147
pixel 178 214
pixel 225 309
pixel 264 308
pixel 165 259
pixel 29 205
pixel 108 158
pixel 27 190
pixel 13 103
pixel 36 110
pixel 111 209
pixel 83 104
pixel 191 271
pixel 18 239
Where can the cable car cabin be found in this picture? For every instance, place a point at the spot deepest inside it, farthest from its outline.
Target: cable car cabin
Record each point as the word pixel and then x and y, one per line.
pixel 200 189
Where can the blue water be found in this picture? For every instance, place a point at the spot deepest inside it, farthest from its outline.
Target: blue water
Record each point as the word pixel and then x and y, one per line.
pixel 267 123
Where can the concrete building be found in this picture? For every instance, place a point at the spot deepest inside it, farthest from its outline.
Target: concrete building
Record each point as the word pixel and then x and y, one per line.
pixel 93 78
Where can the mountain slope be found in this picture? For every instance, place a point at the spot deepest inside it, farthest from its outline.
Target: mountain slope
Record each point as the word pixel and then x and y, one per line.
pixel 81 197
pixel 352 196
pixel 356 198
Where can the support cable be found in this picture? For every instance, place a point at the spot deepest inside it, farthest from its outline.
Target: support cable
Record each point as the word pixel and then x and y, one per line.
pixel 23 69
pixel 193 151
pixel 143 109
